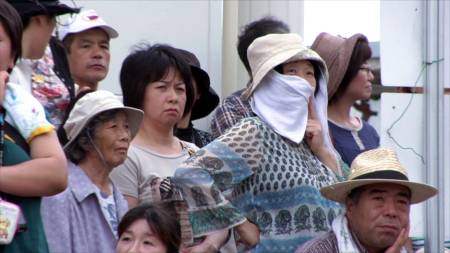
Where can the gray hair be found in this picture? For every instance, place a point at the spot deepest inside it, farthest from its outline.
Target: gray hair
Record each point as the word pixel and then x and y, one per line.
pixel 77 150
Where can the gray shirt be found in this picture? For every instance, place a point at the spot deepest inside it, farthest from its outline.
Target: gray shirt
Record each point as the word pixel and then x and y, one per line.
pixel 73 219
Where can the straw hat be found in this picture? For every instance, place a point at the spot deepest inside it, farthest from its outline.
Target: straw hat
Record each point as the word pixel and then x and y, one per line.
pixel 267 52
pixel 93 104
pixel 377 166
pixel 336 52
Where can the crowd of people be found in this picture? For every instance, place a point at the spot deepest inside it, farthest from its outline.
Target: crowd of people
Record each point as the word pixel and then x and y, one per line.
pixel 285 168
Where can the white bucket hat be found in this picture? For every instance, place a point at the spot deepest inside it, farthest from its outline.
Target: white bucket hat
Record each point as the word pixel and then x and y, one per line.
pixel 377 166
pixel 91 105
pixel 85 20
pixel 269 51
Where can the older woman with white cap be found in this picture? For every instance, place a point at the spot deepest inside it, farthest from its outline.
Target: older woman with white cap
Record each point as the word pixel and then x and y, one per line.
pixel 269 169
pixel 84 217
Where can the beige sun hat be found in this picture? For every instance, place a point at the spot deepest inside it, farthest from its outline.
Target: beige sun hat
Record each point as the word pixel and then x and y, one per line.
pixel 337 52
pixel 269 51
pixel 377 166
pixel 94 103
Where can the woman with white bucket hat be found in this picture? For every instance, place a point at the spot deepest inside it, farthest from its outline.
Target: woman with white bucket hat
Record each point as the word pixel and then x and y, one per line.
pixel 85 216
pixel 269 169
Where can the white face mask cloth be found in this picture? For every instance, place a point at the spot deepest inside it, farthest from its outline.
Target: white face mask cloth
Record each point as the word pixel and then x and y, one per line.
pixel 281 101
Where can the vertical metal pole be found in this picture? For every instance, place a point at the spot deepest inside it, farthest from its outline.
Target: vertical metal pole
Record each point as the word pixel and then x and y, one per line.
pixel 434 130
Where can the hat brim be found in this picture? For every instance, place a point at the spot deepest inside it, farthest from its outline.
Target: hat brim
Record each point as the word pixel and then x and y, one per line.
pixel 338 192
pixel 111 32
pixel 134 117
pixel 60 9
pixel 274 61
pixel 208 100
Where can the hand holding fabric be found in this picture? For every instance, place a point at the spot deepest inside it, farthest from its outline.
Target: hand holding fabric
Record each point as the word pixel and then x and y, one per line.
pixel 211 244
pixel 315 139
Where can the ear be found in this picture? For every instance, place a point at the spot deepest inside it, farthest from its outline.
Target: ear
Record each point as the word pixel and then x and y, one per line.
pixel 349 205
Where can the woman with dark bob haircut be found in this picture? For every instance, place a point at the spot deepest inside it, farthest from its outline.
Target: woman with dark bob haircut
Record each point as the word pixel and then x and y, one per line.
pixel 149 228
pixel 350 81
pixel 157 80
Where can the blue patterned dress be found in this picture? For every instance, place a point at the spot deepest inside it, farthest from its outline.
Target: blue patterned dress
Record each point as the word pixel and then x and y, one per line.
pixel 252 172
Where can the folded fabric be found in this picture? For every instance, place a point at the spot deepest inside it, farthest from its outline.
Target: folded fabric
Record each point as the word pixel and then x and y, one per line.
pixel 25 113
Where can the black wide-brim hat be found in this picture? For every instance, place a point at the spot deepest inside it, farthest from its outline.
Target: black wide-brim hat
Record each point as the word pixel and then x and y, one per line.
pixel 29 8
pixel 208 100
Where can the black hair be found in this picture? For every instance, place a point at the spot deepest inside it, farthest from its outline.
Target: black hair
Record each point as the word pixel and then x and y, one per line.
pixel 149 64
pixel 254 30
pixel 161 219
pixel 361 54
pixel 11 22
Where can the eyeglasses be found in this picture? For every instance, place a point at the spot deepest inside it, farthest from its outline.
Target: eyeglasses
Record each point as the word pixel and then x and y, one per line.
pixel 366 69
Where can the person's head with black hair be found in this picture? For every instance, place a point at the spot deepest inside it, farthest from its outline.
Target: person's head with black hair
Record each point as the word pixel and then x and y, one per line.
pixel 157 80
pixel 149 228
pixel 39 20
pixel 254 30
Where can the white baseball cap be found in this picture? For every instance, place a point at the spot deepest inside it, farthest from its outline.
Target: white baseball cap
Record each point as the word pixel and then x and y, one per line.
pixel 85 20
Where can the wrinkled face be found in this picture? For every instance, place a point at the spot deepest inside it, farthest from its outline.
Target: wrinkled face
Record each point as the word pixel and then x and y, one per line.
pixel 6 57
pixel 301 68
pixel 89 57
pixel 360 87
pixel 379 215
pixel 139 238
pixel 112 139
pixel 164 100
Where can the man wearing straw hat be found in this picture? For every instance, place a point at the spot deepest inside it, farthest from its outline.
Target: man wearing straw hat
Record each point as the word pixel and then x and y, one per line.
pixel 377 197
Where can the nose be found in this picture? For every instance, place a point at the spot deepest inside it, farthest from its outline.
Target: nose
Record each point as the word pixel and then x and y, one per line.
pixel 390 208
pixel 371 76
pixel 124 134
pixel 173 96
pixel 98 52
pixel 134 248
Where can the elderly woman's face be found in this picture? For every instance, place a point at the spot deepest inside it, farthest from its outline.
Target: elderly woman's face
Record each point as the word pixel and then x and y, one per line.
pixel 112 139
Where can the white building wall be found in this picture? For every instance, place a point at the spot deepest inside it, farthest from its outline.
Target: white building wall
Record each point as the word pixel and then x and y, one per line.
pixel 402 49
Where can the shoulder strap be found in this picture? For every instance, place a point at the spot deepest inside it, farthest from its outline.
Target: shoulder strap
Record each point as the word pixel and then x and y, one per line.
pixel 12 133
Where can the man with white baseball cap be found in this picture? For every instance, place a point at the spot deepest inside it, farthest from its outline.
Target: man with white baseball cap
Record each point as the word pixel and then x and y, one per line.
pixel 86 38
pixel 377 196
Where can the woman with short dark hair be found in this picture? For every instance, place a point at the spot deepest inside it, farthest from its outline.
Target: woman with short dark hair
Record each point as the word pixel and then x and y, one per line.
pixel 350 81
pixel 149 228
pixel 158 81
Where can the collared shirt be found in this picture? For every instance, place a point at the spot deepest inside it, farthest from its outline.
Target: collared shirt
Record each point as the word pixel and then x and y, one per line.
pixel 327 243
pixel 229 112
pixel 73 219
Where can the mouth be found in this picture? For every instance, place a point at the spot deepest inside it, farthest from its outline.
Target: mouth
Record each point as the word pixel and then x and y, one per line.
pixel 122 150
pixel 172 111
pixel 389 228
pixel 97 66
